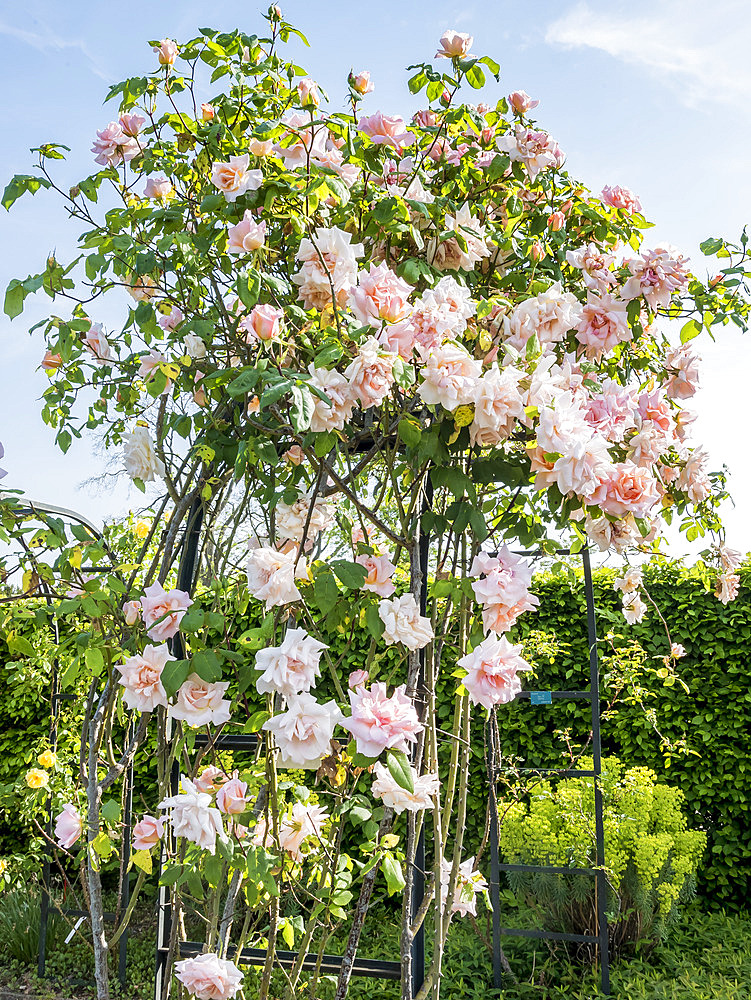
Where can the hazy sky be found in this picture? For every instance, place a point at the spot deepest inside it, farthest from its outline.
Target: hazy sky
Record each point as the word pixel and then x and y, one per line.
pixel 655 96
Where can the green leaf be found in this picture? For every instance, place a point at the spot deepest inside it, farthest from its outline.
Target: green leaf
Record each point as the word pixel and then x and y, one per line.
pixel 20 645
pixel 102 845
pixel 111 811
pixel 409 431
pixel 19 185
pixel 207 665
pixel 374 621
pixel 274 392
pixel 303 406
pixel 690 330
pixel 710 247
pixel 248 287
pixel 475 77
pixel 173 675
pixel 142 860
pixel 243 383
pixel 400 770
pixel 192 620
pixel 325 590
pixel 17 291
pixel 392 871
pixel 350 574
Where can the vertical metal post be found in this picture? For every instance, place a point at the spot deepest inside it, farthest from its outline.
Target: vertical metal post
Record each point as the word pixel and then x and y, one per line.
pixel 594 680
pixel 44 910
pixel 495 871
pixel 122 950
pixel 186 573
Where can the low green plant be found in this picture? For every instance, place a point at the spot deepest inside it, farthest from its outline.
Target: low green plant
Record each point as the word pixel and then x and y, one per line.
pixel 20 917
pixel 651 857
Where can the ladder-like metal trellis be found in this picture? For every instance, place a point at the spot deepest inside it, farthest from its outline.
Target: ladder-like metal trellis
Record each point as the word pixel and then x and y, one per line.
pixel 592 694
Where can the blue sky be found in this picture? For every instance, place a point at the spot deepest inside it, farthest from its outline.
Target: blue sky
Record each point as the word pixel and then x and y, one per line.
pixel 655 96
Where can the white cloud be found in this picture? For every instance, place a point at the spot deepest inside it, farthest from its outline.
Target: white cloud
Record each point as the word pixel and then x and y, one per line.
pixel 50 42
pixel 700 49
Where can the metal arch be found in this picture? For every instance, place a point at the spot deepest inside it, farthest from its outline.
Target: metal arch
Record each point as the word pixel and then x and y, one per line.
pixel 598 872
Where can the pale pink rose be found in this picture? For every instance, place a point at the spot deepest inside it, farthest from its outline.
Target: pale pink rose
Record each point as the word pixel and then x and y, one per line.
pixel 492 671
pixel 498 405
pixel 272 575
pixel 307 91
pixel 262 323
pixel 683 368
pixel 727 587
pixel 158 187
pixel 618 535
pixel 291 668
pixel 147 833
pixel 549 315
pixel 143 288
pixel 386 130
pixel 208 112
pixel 132 612
pixel 131 124
pixel 234 178
pixel 677 651
pixel 469 884
pixel 634 607
pixel 630 581
pixel 304 822
pixel 360 82
pixel 502 587
pixel 657 275
pixel 328 263
pixel 380 295
pixel 304 731
pixel 450 377
pixel 403 622
pixel 371 374
pixel 454 45
pixel 210 779
pixel 209 977
pixel 654 409
pixel 260 147
pixel 96 343
pixel 68 826
pixel 150 363
pixel 380 570
pixel 166 50
pixel 399 799
pixel 448 254
pixel 357 679
pixel 293 519
pixel 535 149
pixel 629 490
pixel 603 325
pixel 192 816
pixel 139 456
pixel 454 299
pixel 425 118
pixel 172 319
pixel 621 197
pixel 379 722
pixel 730 559
pixel 610 412
pixel 142 678
pixel 163 610
pixel 232 796
pixel 200 702
pixel 308 141
pixel 595 266
pixel 521 102
pixel 294 455
pixel 114 146
pixel 247 235
pixel 51 362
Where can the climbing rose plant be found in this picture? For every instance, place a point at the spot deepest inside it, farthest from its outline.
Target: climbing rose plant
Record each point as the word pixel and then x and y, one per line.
pixel 347 339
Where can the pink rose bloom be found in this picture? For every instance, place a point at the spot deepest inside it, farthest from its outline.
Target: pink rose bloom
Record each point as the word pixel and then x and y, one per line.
pixel 492 669
pixel 386 130
pixel 502 588
pixel 68 826
pixel 594 266
pixel 469 884
pixel 499 404
pixel 142 678
pixel 294 455
pixel 425 118
pixel 193 817
pixel 150 363
pixel 247 235
pixel 262 323
pixel 633 607
pixel 621 197
pixel 450 377
pixel 51 362
pixel 309 141
pixel 521 102
pixel 448 255
pixel 629 490
pixel 260 147
pixel 328 260
pixel 360 83
pixel 158 187
pixel 208 112
pixel 378 722
pixel 611 411
pixel 677 651
pixel 727 586
pixel 96 343
pixel 163 610
pixel 338 389
pixel 234 179
pixel 304 731
pixel 292 667
pixel 208 977
pixel 210 779
pixel 272 575
pixel 307 91
pixel 232 796
pixel 132 124
pixel 380 295
pixel 132 612
pixel 657 274
pixel 371 374
pixel 683 369
pixel 305 821
pixel 380 570
pixel 655 410
pixel 166 50
pixel 549 315
pixel 357 679
pixel 147 833
pixel 200 702
pixel 630 581
pixel 535 149
pixel 399 799
pixel 113 146
pixel 454 45
pixel 172 319
pixel 403 622
pixel 603 325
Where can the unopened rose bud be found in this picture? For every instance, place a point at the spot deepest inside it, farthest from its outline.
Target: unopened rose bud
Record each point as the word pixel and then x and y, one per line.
pixel 360 82
pixel 166 51
pixel 275 12
pixel 566 206
pixel 308 91
pixel 556 221
pixel 537 251
pixel 718 278
pixel 207 112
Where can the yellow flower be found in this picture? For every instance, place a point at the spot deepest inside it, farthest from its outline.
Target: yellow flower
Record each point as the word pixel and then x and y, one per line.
pixel 142 528
pixel 47 759
pixel 36 778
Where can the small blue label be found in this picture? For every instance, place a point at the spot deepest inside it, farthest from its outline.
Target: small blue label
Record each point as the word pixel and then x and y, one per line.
pixel 541 697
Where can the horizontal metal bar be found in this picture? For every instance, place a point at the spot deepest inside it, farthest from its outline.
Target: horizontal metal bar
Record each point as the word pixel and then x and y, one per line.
pixel 558 772
pixel 550 935
pixel 368 967
pixel 78 913
pixel 550 869
pixel 63 696
pixel 228 741
pixel 557 695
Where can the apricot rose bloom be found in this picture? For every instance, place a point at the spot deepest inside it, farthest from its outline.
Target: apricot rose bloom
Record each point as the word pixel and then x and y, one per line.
pixel 360 82
pixel 379 722
pixel 163 610
pixel 147 833
pixel 141 677
pixel 247 235
pixel 454 45
pixel 521 102
pixel 200 702
pixel 208 977
pixel 380 570
pixel 234 178
pixel 166 50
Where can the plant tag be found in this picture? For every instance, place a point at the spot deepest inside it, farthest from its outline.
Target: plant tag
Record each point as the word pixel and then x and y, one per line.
pixel 541 697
